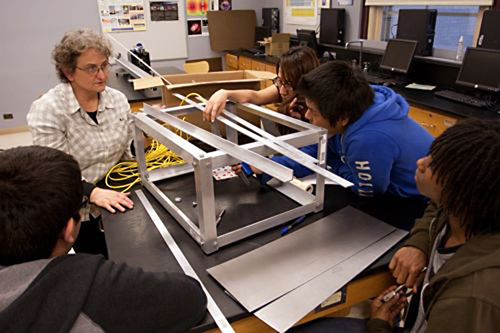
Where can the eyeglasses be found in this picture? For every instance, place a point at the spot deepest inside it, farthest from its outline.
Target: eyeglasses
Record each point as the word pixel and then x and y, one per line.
pixel 280 83
pixel 94 69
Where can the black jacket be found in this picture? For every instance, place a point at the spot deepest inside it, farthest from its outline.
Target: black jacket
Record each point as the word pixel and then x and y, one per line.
pixel 85 293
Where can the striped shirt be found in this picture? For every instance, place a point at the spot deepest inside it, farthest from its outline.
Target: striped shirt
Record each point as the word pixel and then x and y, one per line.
pixel 56 120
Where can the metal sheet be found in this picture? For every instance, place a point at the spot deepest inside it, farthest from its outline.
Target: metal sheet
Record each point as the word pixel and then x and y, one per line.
pixel 289 309
pixel 267 273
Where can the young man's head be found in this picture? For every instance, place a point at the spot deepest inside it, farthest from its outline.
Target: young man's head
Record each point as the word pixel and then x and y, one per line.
pixel 41 194
pixel 336 93
pixel 462 174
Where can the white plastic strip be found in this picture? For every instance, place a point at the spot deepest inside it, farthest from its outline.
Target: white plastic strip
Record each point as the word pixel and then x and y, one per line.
pixel 213 309
pixel 140 60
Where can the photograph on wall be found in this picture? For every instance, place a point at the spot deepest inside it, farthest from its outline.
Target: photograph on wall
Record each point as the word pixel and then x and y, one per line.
pixel 121 15
pixel 194 27
pixel 204 26
pixel 225 5
pixel 164 10
pixel 196 7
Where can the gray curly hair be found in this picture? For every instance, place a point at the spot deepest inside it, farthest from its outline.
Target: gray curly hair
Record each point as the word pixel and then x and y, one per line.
pixel 73 44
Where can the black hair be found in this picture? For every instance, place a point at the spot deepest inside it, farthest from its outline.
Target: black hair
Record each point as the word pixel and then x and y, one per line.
pixel 339 89
pixel 465 162
pixel 40 190
pixel 296 62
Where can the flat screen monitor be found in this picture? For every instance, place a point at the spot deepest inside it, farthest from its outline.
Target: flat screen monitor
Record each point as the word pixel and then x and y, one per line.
pixel 307 38
pixel 480 69
pixel 398 55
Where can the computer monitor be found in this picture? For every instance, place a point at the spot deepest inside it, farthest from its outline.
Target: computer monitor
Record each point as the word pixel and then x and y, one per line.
pixel 480 69
pixel 398 55
pixel 262 32
pixel 307 38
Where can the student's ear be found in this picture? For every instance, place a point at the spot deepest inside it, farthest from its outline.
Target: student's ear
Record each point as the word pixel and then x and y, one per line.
pixel 344 122
pixel 71 231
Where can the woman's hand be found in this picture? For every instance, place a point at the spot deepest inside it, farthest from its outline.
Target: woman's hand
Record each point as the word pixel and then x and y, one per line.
pixel 215 105
pixel 110 199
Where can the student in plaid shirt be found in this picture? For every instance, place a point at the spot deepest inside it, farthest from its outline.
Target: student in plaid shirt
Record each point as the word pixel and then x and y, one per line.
pixel 92 122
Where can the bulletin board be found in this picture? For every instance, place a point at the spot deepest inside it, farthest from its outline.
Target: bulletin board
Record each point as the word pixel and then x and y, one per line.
pixel 164 40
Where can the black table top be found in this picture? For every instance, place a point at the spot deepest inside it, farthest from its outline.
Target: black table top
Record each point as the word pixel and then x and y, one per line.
pixel 132 237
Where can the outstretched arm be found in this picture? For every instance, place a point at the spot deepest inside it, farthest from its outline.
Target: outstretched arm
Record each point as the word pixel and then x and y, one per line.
pixel 217 101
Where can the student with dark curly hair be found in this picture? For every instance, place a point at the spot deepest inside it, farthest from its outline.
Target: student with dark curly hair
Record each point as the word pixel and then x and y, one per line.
pixel 456 243
pixel 43 289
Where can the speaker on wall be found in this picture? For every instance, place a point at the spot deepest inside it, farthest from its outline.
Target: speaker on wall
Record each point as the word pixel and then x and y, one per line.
pixel 271 18
pixel 418 25
pixel 489 34
pixel 332 26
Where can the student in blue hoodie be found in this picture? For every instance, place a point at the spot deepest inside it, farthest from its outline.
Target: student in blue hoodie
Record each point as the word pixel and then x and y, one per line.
pixel 373 143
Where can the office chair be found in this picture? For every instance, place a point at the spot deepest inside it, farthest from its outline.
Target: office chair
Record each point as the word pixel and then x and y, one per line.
pixel 196 67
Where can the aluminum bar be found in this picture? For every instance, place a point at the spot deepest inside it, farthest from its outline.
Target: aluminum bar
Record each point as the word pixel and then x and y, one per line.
pixel 274 169
pixel 213 309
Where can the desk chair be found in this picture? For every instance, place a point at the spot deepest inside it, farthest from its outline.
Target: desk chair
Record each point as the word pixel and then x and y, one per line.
pixel 196 67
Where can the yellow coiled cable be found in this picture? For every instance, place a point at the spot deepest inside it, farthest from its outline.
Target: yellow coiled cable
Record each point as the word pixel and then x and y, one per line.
pixel 157 156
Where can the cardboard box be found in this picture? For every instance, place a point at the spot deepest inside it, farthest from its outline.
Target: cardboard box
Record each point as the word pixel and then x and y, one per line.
pixel 277 44
pixel 205 84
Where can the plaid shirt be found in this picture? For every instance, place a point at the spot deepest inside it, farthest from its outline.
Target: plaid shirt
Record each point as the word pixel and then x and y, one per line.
pixel 56 120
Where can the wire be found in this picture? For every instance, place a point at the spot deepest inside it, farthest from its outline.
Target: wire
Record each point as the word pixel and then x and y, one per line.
pixel 126 174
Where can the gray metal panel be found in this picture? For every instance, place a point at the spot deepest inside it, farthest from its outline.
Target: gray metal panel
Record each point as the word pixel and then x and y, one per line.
pixel 289 309
pixel 261 276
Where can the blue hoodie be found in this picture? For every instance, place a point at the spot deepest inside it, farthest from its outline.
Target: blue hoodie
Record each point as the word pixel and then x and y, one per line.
pixel 378 152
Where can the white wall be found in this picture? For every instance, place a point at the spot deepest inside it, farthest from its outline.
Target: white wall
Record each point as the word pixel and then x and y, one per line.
pixel 29 30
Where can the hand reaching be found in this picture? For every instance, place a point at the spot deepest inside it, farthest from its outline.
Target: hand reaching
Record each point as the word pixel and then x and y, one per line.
pixel 215 105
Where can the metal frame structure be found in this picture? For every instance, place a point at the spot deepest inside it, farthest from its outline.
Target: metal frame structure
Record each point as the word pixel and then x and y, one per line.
pixel 228 152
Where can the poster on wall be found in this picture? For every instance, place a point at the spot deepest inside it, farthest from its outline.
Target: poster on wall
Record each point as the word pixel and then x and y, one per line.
pixel 121 15
pixel 194 27
pixel 324 3
pixel 301 12
pixel 164 10
pixel 196 7
pixel 225 5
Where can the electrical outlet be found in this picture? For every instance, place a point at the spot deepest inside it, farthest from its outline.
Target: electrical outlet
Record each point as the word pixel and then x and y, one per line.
pixel 8 116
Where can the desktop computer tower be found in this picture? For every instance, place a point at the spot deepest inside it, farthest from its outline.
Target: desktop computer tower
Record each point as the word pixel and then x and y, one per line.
pixel 489 35
pixel 332 26
pixel 418 25
pixel 271 18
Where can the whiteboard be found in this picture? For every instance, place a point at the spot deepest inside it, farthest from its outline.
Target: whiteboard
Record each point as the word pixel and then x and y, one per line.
pixel 164 40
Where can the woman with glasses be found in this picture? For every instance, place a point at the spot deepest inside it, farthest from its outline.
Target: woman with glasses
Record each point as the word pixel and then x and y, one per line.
pixel 83 117
pixel 291 66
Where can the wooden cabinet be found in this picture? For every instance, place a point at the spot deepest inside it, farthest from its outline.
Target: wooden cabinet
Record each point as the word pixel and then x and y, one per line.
pixel 258 66
pixel 271 68
pixel 433 121
pixel 231 62
pixel 244 63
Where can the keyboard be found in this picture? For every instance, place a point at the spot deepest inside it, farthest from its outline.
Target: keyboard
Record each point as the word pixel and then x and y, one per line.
pixel 376 79
pixel 463 98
